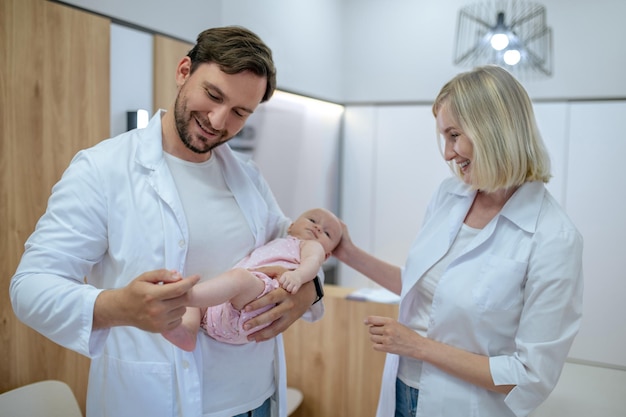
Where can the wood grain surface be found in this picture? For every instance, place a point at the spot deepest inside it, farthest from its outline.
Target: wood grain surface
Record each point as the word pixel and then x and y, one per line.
pixel 54 95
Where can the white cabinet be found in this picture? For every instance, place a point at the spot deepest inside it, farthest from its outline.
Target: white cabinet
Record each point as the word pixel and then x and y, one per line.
pixel 409 167
pixel 356 190
pixel 391 165
pixel 295 143
pixel 586 147
pixel 596 202
pixel 553 119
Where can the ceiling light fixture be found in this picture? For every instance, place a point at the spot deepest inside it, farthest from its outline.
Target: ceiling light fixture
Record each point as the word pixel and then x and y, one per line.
pixel 512 34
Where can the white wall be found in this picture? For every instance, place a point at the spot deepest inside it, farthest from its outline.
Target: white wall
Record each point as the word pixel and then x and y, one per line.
pixel 306 37
pixel 402 50
pixel 368 51
pixel 131 74
pixel 297 150
pixel 182 19
pixel 584 391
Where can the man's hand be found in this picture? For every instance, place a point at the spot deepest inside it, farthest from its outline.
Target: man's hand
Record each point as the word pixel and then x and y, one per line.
pixel 288 309
pixel 154 301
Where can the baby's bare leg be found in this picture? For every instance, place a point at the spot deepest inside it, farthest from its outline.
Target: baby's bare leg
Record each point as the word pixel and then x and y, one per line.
pixel 239 286
pixel 185 334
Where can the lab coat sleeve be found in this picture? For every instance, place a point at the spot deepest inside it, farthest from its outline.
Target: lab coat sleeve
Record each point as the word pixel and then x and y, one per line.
pixel 549 321
pixel 48 291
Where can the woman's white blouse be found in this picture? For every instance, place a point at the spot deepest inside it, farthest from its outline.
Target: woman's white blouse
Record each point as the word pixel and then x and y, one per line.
pixel 514 294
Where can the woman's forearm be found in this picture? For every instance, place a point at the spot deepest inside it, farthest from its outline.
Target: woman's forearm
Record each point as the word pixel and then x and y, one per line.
pixel 470 367
pixel 379 271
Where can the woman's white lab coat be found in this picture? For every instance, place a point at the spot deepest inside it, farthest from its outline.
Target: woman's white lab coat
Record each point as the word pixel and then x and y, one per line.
pixel 514 295
pixel 114 215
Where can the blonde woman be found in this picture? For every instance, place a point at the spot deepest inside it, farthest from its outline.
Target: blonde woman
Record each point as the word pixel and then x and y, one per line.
pixel 492 287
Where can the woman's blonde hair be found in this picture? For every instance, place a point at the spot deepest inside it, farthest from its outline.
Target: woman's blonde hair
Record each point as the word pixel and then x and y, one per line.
pixel 493 109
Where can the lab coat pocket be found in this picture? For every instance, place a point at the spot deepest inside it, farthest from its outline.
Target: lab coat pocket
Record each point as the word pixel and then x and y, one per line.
pixel 145 386
pixel 499 284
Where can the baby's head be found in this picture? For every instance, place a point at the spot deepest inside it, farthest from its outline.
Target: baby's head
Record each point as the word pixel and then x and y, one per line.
pixel 318 224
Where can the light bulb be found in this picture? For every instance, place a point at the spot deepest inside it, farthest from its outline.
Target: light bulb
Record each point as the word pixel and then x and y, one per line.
pixel 499 41
pixel 143 117
pixel 512 56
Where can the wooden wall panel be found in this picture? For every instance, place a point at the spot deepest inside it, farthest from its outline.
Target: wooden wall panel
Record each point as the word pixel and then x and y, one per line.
pixel 54 95
pixel 332 361
pixel 167 54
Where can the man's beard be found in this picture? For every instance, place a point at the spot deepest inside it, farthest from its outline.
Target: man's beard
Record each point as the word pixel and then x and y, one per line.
pixel 182 127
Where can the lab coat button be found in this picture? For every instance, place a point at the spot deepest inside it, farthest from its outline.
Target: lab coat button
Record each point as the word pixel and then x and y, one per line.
pixel 181 243
pixel 185 365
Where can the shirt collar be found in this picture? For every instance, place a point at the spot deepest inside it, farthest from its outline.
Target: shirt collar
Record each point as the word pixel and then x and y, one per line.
pixel 522 208
pixel 150 150
pixel 524 205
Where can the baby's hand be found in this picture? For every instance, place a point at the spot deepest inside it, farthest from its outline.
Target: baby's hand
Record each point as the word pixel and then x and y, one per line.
pixel 290 281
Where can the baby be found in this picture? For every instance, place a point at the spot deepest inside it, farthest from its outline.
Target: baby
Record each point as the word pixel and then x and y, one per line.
pixel 216 304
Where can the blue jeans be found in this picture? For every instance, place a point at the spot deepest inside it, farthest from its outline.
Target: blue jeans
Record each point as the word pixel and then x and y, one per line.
pixel 263 411
pixel 406 399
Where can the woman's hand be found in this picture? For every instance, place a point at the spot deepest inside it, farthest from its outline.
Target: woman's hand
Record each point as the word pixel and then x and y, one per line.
pixel 392 337
pixel 345 246
pixel 388 335
pixel 379 271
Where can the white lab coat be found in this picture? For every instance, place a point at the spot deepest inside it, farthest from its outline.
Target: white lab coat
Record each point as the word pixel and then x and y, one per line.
pixel 114 215
pixel 514 295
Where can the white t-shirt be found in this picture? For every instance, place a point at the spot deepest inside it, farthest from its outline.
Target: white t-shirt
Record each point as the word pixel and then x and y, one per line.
pixel 410 369
pixel 211 211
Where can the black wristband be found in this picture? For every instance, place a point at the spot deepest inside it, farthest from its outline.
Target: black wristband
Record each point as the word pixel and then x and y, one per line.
pixel 318 289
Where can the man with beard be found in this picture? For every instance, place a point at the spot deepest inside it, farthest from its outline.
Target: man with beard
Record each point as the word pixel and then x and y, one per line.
pixel 97 275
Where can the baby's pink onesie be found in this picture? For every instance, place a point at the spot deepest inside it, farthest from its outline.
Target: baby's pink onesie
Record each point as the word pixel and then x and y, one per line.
pixel 224 322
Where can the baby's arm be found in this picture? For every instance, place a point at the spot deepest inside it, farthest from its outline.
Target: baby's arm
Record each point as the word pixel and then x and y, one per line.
pixel 312 256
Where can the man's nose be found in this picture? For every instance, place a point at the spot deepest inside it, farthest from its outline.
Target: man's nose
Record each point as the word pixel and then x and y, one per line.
pixel 217 117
